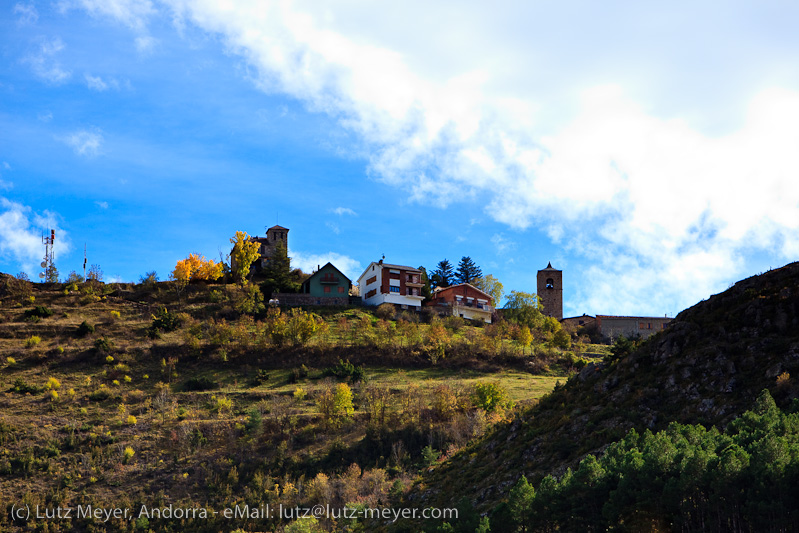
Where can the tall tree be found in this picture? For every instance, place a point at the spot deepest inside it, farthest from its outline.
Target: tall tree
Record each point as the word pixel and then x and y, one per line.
pixel 491 285
pixel 523 309
pixel 244 253
pixel 442 276
pixel 277 273
pixel 426 290
pixel 467 271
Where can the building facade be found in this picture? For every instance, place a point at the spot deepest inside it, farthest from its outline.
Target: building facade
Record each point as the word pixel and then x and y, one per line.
pixel 463 300
pixel 267 246
pixel 395 284
pixel 327 282
pixel 614 327
pixel 550 291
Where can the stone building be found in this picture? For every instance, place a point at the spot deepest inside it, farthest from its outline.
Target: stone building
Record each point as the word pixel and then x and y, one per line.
pixel 550 291
pixel 267 245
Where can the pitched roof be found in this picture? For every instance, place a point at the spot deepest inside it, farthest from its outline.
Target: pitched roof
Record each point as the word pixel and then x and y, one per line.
pixel 401 267
pixel 278 227
pixel 438 290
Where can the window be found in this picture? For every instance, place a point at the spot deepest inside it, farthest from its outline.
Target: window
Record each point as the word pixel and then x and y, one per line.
pixel 371 293
pixel 327 289
pixel 371 280
pixel 394 289
pixel 550 283
pixel 342 290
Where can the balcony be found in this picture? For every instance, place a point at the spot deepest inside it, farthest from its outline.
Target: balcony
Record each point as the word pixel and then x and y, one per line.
pixel 329 279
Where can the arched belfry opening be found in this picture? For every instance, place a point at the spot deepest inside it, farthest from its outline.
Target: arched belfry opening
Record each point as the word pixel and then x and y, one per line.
pixel 550 291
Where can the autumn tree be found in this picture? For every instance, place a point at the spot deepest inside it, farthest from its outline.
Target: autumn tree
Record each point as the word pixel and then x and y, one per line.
pixel 490 285
pixel 244 253
pixel 196 268
pixel 523 309
pixel 467 271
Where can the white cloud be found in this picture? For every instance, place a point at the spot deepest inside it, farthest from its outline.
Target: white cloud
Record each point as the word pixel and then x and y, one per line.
pixel 310 262
pixel 630 175
pixel 45 117
pixel 84 142
pixel 502 244
pixel 6 165
pixel 26 14
pixel 95 82
pixel 132 13
pixel 333 227
pixel 102 205
pixel 6 185
pixel 44 64
pixel 21 233
pixel 341 211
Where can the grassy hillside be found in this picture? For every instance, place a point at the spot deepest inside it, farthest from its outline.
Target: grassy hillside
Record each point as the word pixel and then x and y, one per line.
pixel 707 368
pixel 127 395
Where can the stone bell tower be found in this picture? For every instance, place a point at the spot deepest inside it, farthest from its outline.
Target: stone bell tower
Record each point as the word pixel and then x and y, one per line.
pixel 550 291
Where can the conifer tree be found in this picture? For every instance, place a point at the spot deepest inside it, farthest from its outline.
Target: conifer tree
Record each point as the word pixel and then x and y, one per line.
pixel 467 271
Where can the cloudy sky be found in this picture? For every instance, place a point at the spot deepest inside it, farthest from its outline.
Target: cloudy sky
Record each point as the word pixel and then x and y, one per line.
pixel 649 152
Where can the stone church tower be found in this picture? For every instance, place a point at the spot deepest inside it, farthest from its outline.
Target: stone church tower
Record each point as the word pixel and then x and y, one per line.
pixel 550 291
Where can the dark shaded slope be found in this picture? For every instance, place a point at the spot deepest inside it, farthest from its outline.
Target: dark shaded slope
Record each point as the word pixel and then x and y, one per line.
pixel 707 368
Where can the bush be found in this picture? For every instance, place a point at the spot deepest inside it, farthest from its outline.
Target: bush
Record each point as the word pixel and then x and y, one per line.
pixel 32 341
pixel 21 387
pixel 85 329
pixel 385 311
pixel 53 384
pixel 298 374
pixel 100 394
pixel 103 345
pixel 149 279
pixel 345 369
pixel 127 454
pixel 39 311
pixel 200 384
pixel 164 321
pixel 491 397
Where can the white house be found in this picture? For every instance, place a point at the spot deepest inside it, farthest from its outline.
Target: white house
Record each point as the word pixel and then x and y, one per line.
pixel 394 284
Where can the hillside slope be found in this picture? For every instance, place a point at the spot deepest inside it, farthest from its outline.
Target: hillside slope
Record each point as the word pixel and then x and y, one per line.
pixel 706 368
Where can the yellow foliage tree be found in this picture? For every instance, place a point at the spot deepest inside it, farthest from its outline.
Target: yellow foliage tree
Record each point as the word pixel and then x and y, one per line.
pixel 244 253
pixel 196 267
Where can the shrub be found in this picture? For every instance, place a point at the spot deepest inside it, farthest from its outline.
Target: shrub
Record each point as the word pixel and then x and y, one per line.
pixel 222 404
pixel 164 321
pixel 103 345
pixel 32 341
pixel 115 315
pixel 100 394
pixel 345 369
pixel 127 454
pixel 85 329
pixel 131 420
pixel 53 396
pixel 261 376
pixel 200 384
pixel 53 384
pixel 300 394
pixel 39 311
pixel 491 397
pixel 10 361
pixel 149 279
pixel 21 387
pixel 783 379
pixel 298 374
pixel 385 311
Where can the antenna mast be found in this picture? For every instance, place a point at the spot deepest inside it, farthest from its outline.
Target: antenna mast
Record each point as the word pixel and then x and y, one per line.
pixel 49 254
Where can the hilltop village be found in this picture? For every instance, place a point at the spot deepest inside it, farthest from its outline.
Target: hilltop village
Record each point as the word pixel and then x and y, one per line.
pixel 410 288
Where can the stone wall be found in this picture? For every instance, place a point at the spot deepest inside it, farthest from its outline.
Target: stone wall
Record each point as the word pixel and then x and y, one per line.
pixel 296 300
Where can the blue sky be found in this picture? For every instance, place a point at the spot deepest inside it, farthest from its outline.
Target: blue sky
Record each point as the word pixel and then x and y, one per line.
pixel 649 152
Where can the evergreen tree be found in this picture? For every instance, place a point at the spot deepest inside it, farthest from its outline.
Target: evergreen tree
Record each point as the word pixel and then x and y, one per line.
pixel 277 273
pixel 442 276
pixel 467 271
pixel 426 291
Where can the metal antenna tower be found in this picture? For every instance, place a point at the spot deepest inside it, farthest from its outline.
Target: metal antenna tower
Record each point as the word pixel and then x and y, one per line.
pixel 49 254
